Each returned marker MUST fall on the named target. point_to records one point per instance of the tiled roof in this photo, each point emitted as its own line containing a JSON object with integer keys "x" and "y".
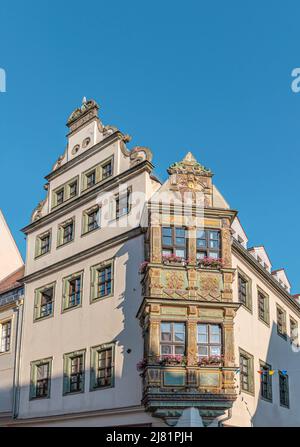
{"x": 12, "y": 281}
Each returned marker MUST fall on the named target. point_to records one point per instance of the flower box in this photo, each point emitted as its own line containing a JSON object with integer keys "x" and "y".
{"x": 172, "y": 360}
{"x": 207, "y": 262}
{"x": 214, "y": 360}
{"x": 172, "y": 259}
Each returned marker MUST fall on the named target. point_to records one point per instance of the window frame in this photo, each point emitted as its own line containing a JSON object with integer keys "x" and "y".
{"x": 282, "y": 333}
{"x": 266, "y": 367}
{"x": 174, "y": 246}
{"x": 94, "y": 362}
{"x": 98, "y": 174}
{"x": 173, "y": 343}
{"x": 285, "y": 404}
{"x": 294, "y": 340}
{"x": 37, "y": 301}
{"x": 66, "y": 190}
{"x": 248, "y": 303}
{"x": 60, "y": 232}
{"x": 266, "y": 319}
{"x": 33, "y": 378}
{"x": 67, "y": 359}
{"x": 38, "y": 243}
{"x": 117, "y": 198}
{"x": 5, "y": 322}
{"x": 85, "y": 216}
{"x": 207, "y": 249}
{"x": 94, "y": 283}
{"x": 210, "y": 344}
{"x": 250, "y": 365}
{"x": 66, "y": 289}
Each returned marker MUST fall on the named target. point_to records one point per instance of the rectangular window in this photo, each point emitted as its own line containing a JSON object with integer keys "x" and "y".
{"x": 122, "y": 204}
{"x": 208, "y": 244}
{"x": 174, "y": 242}
{"x": 265, "y": 382}
{"x": 244, "y": 290}
{"x": 5, "y": 333}
{"x": 284, "y": 390}
{"x": 44, "y": 302}
{"x": 72, "y": 289}
{"x": 172, "y": 339}
{"x": 91, "y": 219}
{"x": 91, "y": 179}
{"x": 293, "y": 331}
{"x": 40, "y": 379}
{"x": 65, "y": 192}
{"x": 107, "y": 170}
{"x": 281, "y": 321}
{"x": 74, "y": 372}
{"x": 263, "y": 307}
{"x": 43, "y": 244}
{"x": 209, "y": 341}
{"x": 246, "y": 372}
{"x": 102, "y": 366}
{"x": 65, "y": 233}
{"x": 101, "y": 281}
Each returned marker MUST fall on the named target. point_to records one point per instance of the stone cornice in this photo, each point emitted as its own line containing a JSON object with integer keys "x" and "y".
{"x": 87, "y": 196}
{"x": 77, "y": 257}
{"x": 271, "y": 281}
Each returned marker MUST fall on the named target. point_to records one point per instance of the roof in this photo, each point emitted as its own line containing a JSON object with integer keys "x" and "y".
{"x": 12, "y": 281}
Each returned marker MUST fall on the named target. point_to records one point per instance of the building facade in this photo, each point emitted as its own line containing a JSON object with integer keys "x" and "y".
{"x": 142, "y": 298}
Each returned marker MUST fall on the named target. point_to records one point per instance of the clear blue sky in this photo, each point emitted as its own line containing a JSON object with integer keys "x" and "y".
{"x": 210, "y": 77}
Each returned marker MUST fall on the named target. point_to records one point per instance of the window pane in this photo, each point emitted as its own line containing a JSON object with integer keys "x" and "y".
{"x": 167, "y": 231}
{"x": 203, "y": 350}
{"x": 167, "y": 240}
{"x": 167, "y": 252}
{"x": 213, "y": 254}
{"x": 180, "y": 253}
{"x": 166, "y": 349}
{"x": 179, "y": 350}
{"x": 200, "y": 234}
{"x": 215, "y": 350}
{"x": 180, "y": 232}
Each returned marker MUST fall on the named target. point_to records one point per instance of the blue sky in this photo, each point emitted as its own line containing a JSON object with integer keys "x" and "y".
{"x": 210, "y": 77}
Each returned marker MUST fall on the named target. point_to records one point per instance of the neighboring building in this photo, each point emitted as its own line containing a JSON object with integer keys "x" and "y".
{"x": 11, "y": 301}
{"x": 123, "y": 270}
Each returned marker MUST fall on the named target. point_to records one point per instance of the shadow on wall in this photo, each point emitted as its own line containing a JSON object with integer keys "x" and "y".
{"x": 270, "y": 412}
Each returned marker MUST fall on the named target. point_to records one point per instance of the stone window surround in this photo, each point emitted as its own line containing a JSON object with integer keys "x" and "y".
{"x": 98, "y": 174}
{"x": 267, "y": 309}
{"x": 84, "y": 223}
{"x": 250, "y": 359}
{"x": 37, "y": 301}
{"x": 66, "y": 192}
{"x": 2, "y": 322}
{"x": 284, "y": 333}
{"x": 32, "y": 388}
{"x": 38, "y": 253}
{"x": 60, "y": 229}
{"x": 93, "y": 270}
{"x": 65, "y": 289}
{"x": 67, "y": 371}
{"x": 249, "y": 289}
{"x": 93, "y": 360}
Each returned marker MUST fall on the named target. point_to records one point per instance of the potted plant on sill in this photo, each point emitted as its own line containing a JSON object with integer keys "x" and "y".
{"x": 208, "y": 262}
{"x": 173, "y": 259}
{"x": 172, "y": 360}
{"x": 213, "y": 360}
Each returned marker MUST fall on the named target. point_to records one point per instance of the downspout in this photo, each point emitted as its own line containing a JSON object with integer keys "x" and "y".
{"x": 16, "y": 381}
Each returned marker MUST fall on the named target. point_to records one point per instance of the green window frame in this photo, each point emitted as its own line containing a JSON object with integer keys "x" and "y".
{"x": 246, "y": 372}
{"x": 263, "y": 306}
{"x": 281, "y": 321}
{"x": 65, "y": 192}
{"x": 40, "y": 379}
{"x": 102, "y": 280}
{"x": 44, "y": 298}
{"x": 74, "y": 372}
{"x": 284, "y": 397}
{"x": 66, "y": 232}
{"x": 43, "y": 243}
{"x": 265, "y": 382}
{"x": 102, "y": 366}
{"x": 245, "y": 290}
{"x": 91, "y": 219}
{"x": 96, "y": 174}
{"x": 72, "y": 291}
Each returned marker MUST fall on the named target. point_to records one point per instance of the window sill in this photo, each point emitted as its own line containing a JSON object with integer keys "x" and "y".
{"x": 264, "y": 322}
{"x": 98, "y": 388}
{"x": 100, "y": 298}
{"x": 42, "y": 255}
{"x": 91, "y": 231}
{"x": 64, "y": 244}
{"x": 36, "y": 320}
{"x": 68, "y": 309}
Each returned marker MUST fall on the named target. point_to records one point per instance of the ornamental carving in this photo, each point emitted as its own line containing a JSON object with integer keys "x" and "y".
{"x": 88, "y": 110}
{"x": 210, "y": 286}
{"x": 174, "y": 280}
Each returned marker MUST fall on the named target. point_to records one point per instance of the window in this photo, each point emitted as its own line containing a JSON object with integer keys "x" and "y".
{"x": 107, "y": 170}
{"x": 101, "y": 281}
{"x": 65, "y": 192}
{"x": 281, "y": 321}
{"x": 74, "y": 372}
{"x": 174, "y": 241}
{"x": 265, "y": 382}
{"x": 96, "y": 174}
{"x": 5, "y": 332}
{"x": 91, "y": 219}
{"x": 209, "y": 340}
{"x": 43, "y": 244}
{"x": 208, "y": 244}
{"x": 284, "y": 390}
{"x": 72, "y": 291}
{"x": 293, "y": 331}
{"x": 263, "y": 306}
{"x": 73, "y": 189}
{"x": 65, "y": 232}
{"x": 122, "y": 204}
{"x": 244, "y": 290}
{"x": 246, "y": 372}
{"x": 44, "y": 302}
{"x": 102, "y": 366}
{"x": 59, "y": 196}
{"x": 172, "y": 339}
{"x": 40, "y": 379}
